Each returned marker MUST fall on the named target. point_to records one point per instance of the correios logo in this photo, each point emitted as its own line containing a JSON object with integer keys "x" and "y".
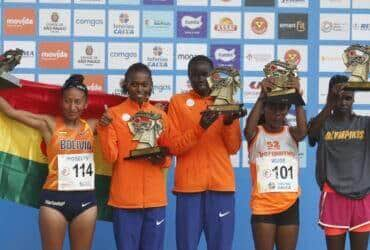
{"x": 259, "y": 25}
{"x": 191, "y": 22}
{"x": 292, "y": 56}
{"x": 226, "y": 25}
{"x": 225, "y": 55}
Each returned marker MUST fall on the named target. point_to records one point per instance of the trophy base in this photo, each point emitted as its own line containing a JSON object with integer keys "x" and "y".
{"x": 8, "y": 81}
{"x": 286, "y": 98}
{"x": 224, "y": 108}
{"x": 360, "y": 86}
{"x": 146, "y": 152}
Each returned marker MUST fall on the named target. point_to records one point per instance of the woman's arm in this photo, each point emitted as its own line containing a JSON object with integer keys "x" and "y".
{"x": 43, "y": 123}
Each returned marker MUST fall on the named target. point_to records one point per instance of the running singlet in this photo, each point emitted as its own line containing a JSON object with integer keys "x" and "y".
{"x": 71, "y": 158}
{"x": 274, "y": 168}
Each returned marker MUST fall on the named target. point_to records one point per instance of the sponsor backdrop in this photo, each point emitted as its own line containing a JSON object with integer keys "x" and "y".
{"x": 101, "y": 38}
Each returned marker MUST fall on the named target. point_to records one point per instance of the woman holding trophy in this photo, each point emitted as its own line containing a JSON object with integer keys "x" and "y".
{"x": 274, "y": 165}
{"x": 131, "y": 136}
{"x": 342, "y": 168}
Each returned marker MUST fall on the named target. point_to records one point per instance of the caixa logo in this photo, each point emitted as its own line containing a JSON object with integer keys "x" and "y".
{"x": 225, "y": 55}
{"x": 91, "y": 22}
{"x": 191, "y": 22}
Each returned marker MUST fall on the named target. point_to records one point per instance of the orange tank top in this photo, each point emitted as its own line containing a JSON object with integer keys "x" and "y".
{"x": 274, "y": 167}
{"x": 70, "y": 153}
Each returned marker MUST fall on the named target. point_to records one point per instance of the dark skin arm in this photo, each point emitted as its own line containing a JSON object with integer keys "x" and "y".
{"x": 318, "y": 121}
{"x": 298, "y": 132}
{"x": 256, "y": 112}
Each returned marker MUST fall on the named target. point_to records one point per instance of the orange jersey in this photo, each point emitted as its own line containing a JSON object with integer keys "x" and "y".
{"x": 66, "y": 142}
{"x": 135, "y": 183}
{"x": 203, "y": 156}
{"x": 275, "y": 157}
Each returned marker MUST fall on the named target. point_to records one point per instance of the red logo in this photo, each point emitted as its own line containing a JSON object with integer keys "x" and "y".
{"x": 259, "y": 25}
{"x": 292, "y": 56}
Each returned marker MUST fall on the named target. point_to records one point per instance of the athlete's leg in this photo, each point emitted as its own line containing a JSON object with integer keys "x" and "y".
{"x": 81, "y": 229}
{"x": 127, "y": 225}
{"x": 335, "y": 242}
{"x": 219, "y": 220}
{"x": 286, "y": 237}
{"x": 263, "y": 235}
{"x": 53, "y": 227}
{"x": 189, "y": 220}
{"x": 152, "y": 233}
{"x": 359, "y": 241}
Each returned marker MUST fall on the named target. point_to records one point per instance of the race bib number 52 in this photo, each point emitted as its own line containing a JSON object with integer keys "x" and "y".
{"x": 277, "y": 174}
{"x": 76, "y": 172}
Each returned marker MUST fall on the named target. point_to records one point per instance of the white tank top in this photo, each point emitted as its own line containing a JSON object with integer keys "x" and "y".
{"x": 275, "y": 157}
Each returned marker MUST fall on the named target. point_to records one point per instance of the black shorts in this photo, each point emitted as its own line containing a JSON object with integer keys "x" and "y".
{"x": 287, "y": 217}
{"x": 69, "y": 203}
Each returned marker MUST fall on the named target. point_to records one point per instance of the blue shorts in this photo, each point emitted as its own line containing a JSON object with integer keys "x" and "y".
{"x": 69, "y": 203}
{"x": 210, "y": 211}
{"x": 142, "y": 229}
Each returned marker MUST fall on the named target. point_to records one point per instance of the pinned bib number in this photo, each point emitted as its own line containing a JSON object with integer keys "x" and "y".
{"x": 277, "y": 174}
{"x": 76, "y": 172}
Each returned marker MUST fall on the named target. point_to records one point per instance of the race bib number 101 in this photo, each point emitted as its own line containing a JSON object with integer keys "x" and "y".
{"x": 76, "y": 172}
{"x": 277, "y": 174}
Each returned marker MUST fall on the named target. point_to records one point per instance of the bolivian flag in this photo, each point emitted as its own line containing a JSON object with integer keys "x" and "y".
{"x": 23, "y": 163}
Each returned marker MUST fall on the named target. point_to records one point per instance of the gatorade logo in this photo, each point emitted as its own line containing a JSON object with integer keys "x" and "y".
{"x": 19, "y": 22}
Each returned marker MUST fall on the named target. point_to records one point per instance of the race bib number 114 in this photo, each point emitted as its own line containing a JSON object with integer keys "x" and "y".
{"x": 76, "y": 172}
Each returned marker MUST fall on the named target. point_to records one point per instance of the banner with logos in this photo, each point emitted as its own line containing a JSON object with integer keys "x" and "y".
{"x": 102, "y": 38}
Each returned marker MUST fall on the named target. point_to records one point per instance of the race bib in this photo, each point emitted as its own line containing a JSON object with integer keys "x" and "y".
{"x": 277, "y": 174}
{"x": 76, "y": 172}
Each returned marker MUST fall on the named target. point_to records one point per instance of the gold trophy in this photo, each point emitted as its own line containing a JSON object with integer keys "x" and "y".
{"x": 224, "y": 82}
{"x": 357, "y": 60}
{"x": 146, "y": 128}
{"x": 282, "y": 72}
{"x": 8, "y": 61}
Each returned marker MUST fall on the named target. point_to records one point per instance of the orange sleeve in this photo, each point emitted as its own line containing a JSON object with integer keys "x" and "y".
{"x": 231, "y": 135}
{"x": 164, "y": 141}
{"x": 108, "y": 139}
{"x": 167, "y": 162}
{"x": 179, "y": 141}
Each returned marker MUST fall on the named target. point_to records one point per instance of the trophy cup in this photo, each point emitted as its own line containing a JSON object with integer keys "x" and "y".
{"x": 282, "y": 72}
{"x": 8, "y": 61}
{"x": 357, "y": 60}
{"x": 224, "y": 82}
{"x": 146, "y": 127}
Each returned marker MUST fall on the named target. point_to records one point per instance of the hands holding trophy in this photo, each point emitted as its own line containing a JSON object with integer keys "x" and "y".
{"x": 282, "y": 76}
{"x": 146, "y": 128}
{"x": 357, "y": 60}
{"x": 8, "y": 61}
